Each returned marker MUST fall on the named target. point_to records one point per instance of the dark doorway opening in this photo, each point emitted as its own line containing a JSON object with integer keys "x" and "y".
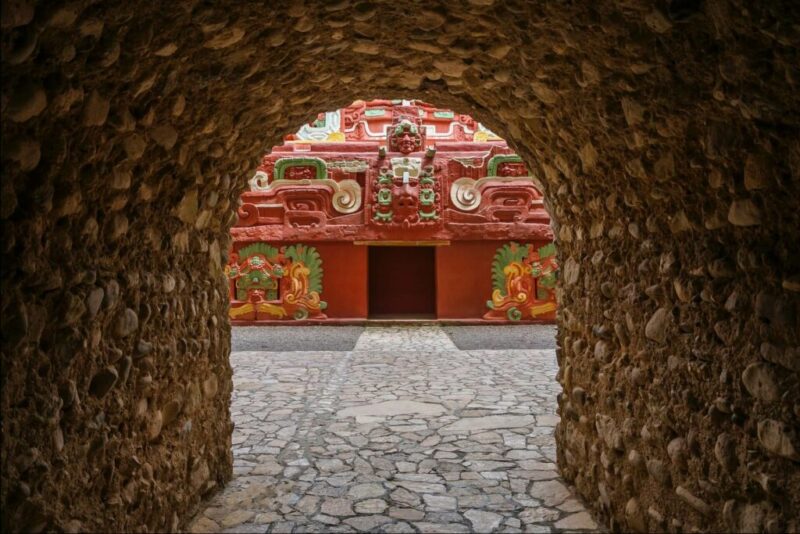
{"x": 402, "y": 282}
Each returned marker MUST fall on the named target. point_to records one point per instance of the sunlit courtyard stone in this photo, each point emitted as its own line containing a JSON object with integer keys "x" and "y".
{"x": 405, "y": 433}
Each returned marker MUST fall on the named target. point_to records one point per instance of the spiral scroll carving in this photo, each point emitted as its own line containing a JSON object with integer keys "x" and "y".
{"x": 465, "y": 195}
{"x": 347, "y": 198}
{"x": 259, "y": 181}
{"x": 248, "y": 214}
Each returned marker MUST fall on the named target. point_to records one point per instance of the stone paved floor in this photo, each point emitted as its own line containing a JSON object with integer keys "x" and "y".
{"x": 405, "y": 433}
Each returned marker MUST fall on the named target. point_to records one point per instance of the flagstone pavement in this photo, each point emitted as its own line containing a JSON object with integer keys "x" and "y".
{"x": 403, "y": 433}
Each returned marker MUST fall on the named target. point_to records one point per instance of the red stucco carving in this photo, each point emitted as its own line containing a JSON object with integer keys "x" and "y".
{"x": 391, "y": 170}
{"x": 299, "y": 205}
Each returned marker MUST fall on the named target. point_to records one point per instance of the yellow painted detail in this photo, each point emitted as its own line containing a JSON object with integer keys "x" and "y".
{"x": 482, "y": 136}
{"x": 335, "y": 137}
{"x": 272, "y": 309}
{"x": 241, "y": 310}
{"x": 541, "y": 309}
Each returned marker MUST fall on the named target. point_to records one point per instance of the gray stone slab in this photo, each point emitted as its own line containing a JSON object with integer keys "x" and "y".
{"x": 397, "y": 407}
{"x": 488, "y": 422}
{"x": 502, "y": 337}
{"x": 294, "y": 338}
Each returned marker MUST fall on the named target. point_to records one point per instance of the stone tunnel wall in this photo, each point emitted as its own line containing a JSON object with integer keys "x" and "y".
{"x": 666, "y": 138}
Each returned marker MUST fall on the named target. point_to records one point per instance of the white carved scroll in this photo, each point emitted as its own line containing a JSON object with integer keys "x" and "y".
{"x": 465, "y": 195}
{"x": 347, "y": 198}
{"x": 259, "y": 181}
{"x": 346, "y": 194}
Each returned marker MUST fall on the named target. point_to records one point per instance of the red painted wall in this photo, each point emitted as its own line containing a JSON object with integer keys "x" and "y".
{"x": 464, "y": 278}
{"x": 344, "y": 279}
{"x": 462, "y": 281}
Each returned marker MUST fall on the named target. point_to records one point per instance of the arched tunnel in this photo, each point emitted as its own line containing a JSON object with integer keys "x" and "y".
{"x": 665, "y": 134}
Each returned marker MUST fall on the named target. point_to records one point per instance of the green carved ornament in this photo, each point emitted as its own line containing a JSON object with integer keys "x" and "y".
{"x": 513, "y": 314}
{"x": 427, "y": 196}
{"x": 283, "y": 164}
{"x": 428, "y": 216}
{"x": 384, "y": 197}
{"x": 491, "y": 167}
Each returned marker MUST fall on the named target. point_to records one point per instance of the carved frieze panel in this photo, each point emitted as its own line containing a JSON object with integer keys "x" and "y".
{"x": 406, "y": 194}
{"x": 523, "y": 282}
{"x": 271, "y": 283}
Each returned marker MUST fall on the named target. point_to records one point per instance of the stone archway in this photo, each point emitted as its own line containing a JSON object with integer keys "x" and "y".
{"x": 666, "y": 137}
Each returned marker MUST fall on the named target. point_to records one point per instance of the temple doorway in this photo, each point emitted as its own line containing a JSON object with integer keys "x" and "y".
{"x": 402, "y": 282}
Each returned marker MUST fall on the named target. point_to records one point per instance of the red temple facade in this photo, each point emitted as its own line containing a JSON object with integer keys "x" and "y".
{"x": 392, "y": 209}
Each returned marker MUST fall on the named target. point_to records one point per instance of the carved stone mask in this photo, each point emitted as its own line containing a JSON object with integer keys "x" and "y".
{"x": 405, "y": 137}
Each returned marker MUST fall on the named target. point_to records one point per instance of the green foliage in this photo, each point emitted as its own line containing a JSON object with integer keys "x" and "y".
{"x": 309, "y": 257}
{"x": 258, "y": 248}
{"x": 549, "y": 280}
{"x": 505, "y": 255}
{"x": 547, "y": 251}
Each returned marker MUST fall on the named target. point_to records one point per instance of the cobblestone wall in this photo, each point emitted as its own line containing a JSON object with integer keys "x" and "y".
{"x": 666, "y": 138}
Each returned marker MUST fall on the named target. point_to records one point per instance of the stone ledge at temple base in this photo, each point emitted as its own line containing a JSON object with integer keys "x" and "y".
{"x": 339, "y": 321}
